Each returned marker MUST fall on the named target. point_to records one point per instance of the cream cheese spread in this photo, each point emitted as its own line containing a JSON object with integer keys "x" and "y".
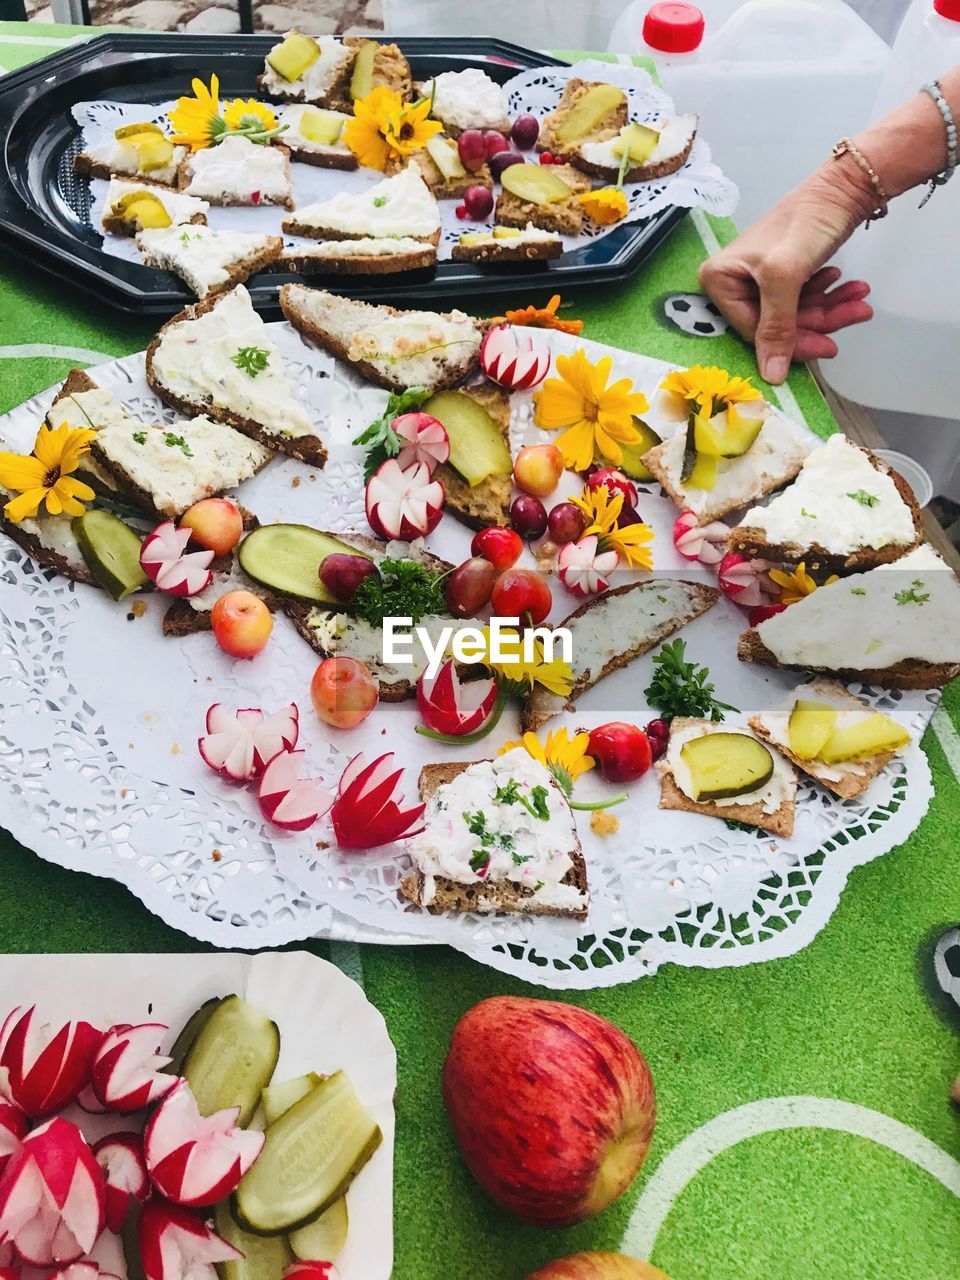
{"x": 180, "y": 208}
{"x": 120, "y": 156}
{"x": 840, "y": 501}
{"x": 341, "y": 633}
{"x": 318, "y": 79}
{"x": 473, "y": 837}
{"x": 907, "y": 610}
{"x": 196, "y": 359}
{"x": 369, "y": 247}
{"x": 468, "y": 100}
{"x": 90, "y": 410}
{"x": 781, "y": 785}
{"x": 408, "y": 346}
{"x": 675, "y": 135}
{"x": 54, "y": 533}
{"x": 850, "y": 711}
{"x": 179, "y": 465}
{"x": 399, "y": 206}
{"x": 203, "y": 257}
{"x": 529, "y": 235}
{"x": 238, "y": 171}
{"x": 292, "y": 116}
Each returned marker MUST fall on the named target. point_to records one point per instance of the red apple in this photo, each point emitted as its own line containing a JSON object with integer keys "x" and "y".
{"x": 597, "y": 1266}
{"x": 552, "y": 1105}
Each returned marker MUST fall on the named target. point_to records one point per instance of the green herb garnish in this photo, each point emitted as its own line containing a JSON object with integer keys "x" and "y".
{"x": 140, "y": 437}
{"x": 536, "y": 805}
{"x": 379, "y": 439}
{"x": 807, "y": 515}
{"x": 858, "y": 591}
{"x": 865, "y": 499}
{"x": 680, "y": 688}
{"x": 477, "y": 826}
{"x": 177, "y": 442}
{"x": 479, "y": 860}
{"x": 379, "y": 201}
{"x": 910, "y": 595}
{"x": 402, "y": 589}
{"x": 251, "y": 360}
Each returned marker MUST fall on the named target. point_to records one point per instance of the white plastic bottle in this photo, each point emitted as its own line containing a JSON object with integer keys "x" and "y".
{"x": 775, "y": 83}
{"x": 908, "y": 358}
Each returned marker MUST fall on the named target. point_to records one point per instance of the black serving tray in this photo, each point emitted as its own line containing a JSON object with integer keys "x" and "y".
{"x": 45, "y": 207}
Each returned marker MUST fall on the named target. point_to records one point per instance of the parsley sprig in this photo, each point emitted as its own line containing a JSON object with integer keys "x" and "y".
{"x": 379, "y": 439}
{"x": 535, "y": 804}
{"x": 252, "y": 360}
{"x": 865, "y": 499}
{"x": 477, "y": 826}
{"x": 402, "y": 589}
{"x": 680, "y": 688}
{"x": 911, "y": 594}
{"x": 173, "y": 441}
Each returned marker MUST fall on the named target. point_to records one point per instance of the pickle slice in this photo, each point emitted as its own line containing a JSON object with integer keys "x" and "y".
{"x": 188, "y": 1035}
{"x": 133, "y": 130}
{"x": 264, "y": 1257}
{"x": 232, "y": 1059}
{"x": 535, "y": 183}
{"x": 639, "y": 139}
{"x": 871, "y": 736}
{"x": 280, "y": 1097}
{"x": 325, "y": 1237}
{"x": 809, "y": 728}
{"x": 477, "y": 448}
{"x": 584, "y": 116}
{"x": 287, "y": 558}
{"x": 632, "y": 464}
{"x": 724, "y": 765}
{"x": 361, "y": 80}
{"x": 321, "y": 127}
{"x": 293, "y": 55}
{"x": 111, "y": 551}
{"x": 446, "y": 157}
{"x": 309, "y": 1159}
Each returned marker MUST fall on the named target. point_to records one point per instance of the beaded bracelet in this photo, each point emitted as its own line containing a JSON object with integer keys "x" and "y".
{"x": 942, "y": 178}
{"x": 847, "y": 147}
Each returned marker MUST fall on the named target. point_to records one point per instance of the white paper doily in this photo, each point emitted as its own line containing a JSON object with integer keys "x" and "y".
{"x": 698, "y": 185}
{"x": 99, "y": 716}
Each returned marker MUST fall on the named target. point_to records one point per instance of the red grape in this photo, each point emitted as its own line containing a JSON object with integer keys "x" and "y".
{"x": 469, "y": 586}
{"x": 566, "y": 523}
{"x": 341, "y": 573}
{"x": 499, "y": 546}
{"x": 478, "y": 202}
{"x": 503, "y": 160}
{"x": 528, "y": 516}
{"x": 658, "y": 733}
{"x": 472, "y": 146}
{"x": 495, "y": 142}
{"x": 519, "y": 592}
{"x": 461, "y": 211}
{"x": 525, "y": 131}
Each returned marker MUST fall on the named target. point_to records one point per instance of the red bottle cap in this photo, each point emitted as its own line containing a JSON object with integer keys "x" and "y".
{"x": 948, "y": 9}
{"x": 675, "y": 27}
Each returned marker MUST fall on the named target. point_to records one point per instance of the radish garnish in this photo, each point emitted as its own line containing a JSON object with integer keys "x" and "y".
{"x": 447, "y": 705}
{"x": 86, "y": 1269}
{"x": 13, "y": 1130}
{"x": 196, "y": 1160}
{"x": 584, "y": 569}
{"x": 128, "y": 1069}
{"x": 120, "y": 1156}
{"x": 508, "y": 358}
{"x": 52, "y": 1196}
{"x": 176, "y": 1244}
{"x": 745, "y": 582}
{"x": 311, "y": 1271}
{"x": 169, "y": 566}
{"x": 367, "y": 811}
{"x": 239, "y": 744}
{"x": 402, "y": 502}
{"x": 706, "y": 543}
{"x": 46, "y": 1070}
{"x": 426, "y": 440}
{"x": 10, "y": 1273}
{"x": 288, "y": 800}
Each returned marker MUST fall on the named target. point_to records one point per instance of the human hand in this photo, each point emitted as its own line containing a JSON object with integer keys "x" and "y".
{"x": 771, "y": 282}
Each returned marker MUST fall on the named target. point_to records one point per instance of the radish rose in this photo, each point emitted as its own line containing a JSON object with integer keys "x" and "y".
{"x": 286, "y": 799}
{"x": 169, "y": 566}
{"x": 403, "y": 502}
{"x": 13, "y": 1130}
{"x": 120, "y": 1156}
{"x": 426, "y": 440}
{"x": 176, "y": 1244}
{"x": 585, "y": 570}
{"x": 128, "y": 1069}
{"x": 368, "y": 810}
{"x": 240, "y": 744}
{"x": 46, "y": 1069}
{"x": 508, "y": 358}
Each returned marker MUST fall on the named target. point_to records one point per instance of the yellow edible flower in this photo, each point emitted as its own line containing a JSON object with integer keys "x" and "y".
{"x": 384, "y": 127}
{"x": 796, "y": 584}
{"x": 604, "y": 207}
{"x": 243, "y": 113}
{"x": 565, "y": 757}
{"x": 196, "y": 121}
{"x": 709, "y": 387}
{"x": 594, "y": 417}
{"x": 603, "y": 509}
{"x": 46, "y": 475}
{"x": 554, "y": 675}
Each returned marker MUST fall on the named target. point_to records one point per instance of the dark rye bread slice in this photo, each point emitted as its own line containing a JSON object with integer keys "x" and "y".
{"x": 325, "y": 158}
{"x": 780, "y": 822}
{"x": 608, "y": 127}
{"x": 330, "y": 321}
{"x": 376, "y": 264}
{"x": 488, "y": 502}
{"x": 119, "y": 225}
{"x": 85, "y": 164}
{"x": 911, "y": 673}
{"x": 540, "y": 705}
{"x": 640, "y": 172}
{"x": 565, "y": 217}
{"x": 508, "y": 250}
{"x": 239, "y": 271}
{"x": 752, "y": 542}
{"x": 308, "y": 231}
{"x": 76, "y": 381}
{"x": 185, "y": 176}
{"x": 42, "y": 555}
{"x": 443, "y": 188}
{"x": 308, "y": 449}
{"x": 503, "y": 895}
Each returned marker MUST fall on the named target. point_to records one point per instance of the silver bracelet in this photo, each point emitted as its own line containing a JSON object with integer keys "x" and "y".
{"x": 944, "y": 176}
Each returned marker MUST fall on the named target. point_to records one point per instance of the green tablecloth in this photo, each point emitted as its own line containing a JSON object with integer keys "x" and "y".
{"x": 855, "y": 1195}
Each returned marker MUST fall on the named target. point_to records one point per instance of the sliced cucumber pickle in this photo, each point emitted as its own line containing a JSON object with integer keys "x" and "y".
{"x": 264, "y": 1257}
{"x": 632, "y": 464}
{"x": 287, "y": 558}
{"x": 810, "y": 727}
{"x": 310, "y": 1157}
{"x": 585, "y": 114}
{"x": 278, "y": 1098}
{"x": 723, "y": 765}
{"x": 535, "y": 183}
{"x": 232, "y": 1059}
{"x": 477, "y": 448}
{"x": 325, "y": 1237}
{"x": 188, "y": 1035}
{"x": 112, "y": 552}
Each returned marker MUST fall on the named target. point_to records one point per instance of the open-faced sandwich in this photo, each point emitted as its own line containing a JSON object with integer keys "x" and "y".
{"x": 655, "y": 150}
{"x": 142, "y": 151}
{"x": 238, "y": 172}
{"x": 588, "y": 110}
{"x": 209, "y": 261}
{"x": 441, "y": 168}
{"x": 507, "y": 244}
{"x": 847, "y": 509}
{"x": 216, "y": 358}
{"x": 610, "y": 630}
{"x": 468, "y": 99}
{"x": 328, "y": 72}
{"x": 368, "y": 256}
{"x": 130, "y": 207}
{"x": 726, "y": 772}
{"x": 499, "y": 835}
{"x": 897, "y": 625}
{"x": 402, "y": 205}
{"x": 314, "y": 136}
{"x": 543, "y": 196}
{"x": 832, "y": 736}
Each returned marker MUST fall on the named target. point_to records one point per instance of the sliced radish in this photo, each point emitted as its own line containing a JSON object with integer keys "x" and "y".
{"x": 761, "y": 612}
{"x": 169, "y": 566}
{"x": 196, "y": 1160}
{"x": 127, "y": 1071}
{"x": 120, "y": 1156}
{"x": 745, "y": 582}
{"x": 427, "y": 440}
{"x": 706, "y": 543}
{"x": 311, "y": 1271}
{"x": 368, "y": 809}
{"x": 46, "y": 1069}
{"x": 288, "y": 800}
{"x": 86, "y": 1269}
{"x": 10, "y": 1273}
{"x": 402, "y": 502}
{"x": 13, "y": 1129}
{"x": 52, "y": 1196}
{"x": 176, "y": 1244}
{"x": 447, "y": 705}
{"x": 583, "y": 568}
{"x": 508, "y": 358}
{"x": 239, "y": 744}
